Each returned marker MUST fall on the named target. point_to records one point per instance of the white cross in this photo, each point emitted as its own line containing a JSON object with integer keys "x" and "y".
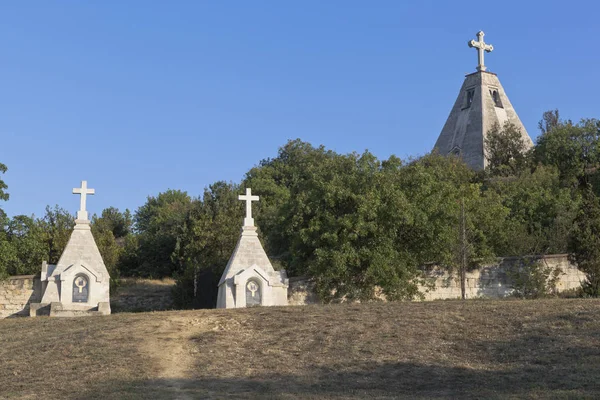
{"x": 248, "y": 198}
{"x": 83, "y": 191}
{"x": 481, "y": 47}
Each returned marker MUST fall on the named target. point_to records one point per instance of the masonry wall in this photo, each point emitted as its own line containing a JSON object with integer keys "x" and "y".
{"x": 301, "y": 291}
{"x": 492, "y": 281}
{"x": 488, "y": 281}
{"x": 16, "y": 293}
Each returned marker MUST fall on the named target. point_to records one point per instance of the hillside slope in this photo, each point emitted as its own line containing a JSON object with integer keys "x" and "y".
{"x": 452, "y": 349}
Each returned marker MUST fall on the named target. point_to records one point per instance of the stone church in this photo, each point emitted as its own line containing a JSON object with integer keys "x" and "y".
{"x": 481, "y": 103}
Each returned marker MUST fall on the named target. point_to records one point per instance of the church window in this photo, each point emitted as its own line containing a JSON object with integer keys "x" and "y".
{"x": 496, "y": 97}
{"x": 81, "y": 285}
{"x": 469, "y": 99}
{"x": 253, "y": 295}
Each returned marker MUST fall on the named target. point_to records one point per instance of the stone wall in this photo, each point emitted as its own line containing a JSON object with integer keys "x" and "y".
{"x": 301, "y": 291}
{"x": 488, "y": 281}
{"x": 16, "y": 293}
{"x": 492, "y": 281}
{"x": 134, "y": 295}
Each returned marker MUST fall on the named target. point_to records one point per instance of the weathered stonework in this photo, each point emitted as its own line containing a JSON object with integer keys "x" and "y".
{"x": 488, "y": 281}
{"x": 16, "y": 293}
{"x": 302, "y": 291}
{"x": 493, "y": 281}
{"x": 481, "y": 103}
{"x": 249, "y": 263}
{"x": 249, "y": 278}
{"x": 79, "y": 283}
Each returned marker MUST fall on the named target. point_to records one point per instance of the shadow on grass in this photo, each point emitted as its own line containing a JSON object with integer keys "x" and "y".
{"x": 387, "y": 381}
{"x": 555, "y": 356}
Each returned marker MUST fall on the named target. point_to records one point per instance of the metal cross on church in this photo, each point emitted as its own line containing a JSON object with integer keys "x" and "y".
{"x": 481, "y": 47}
{"x": 83, "y": 191}
{"x": 248, "y": 198}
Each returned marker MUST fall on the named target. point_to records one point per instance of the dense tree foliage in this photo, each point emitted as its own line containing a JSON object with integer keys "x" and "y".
{"x": 158, "y": 225}
{"x": 5, "y": 248}
{"x": 112, "y": 230}
{"x": 361, "y": 227}
{"x": 572, "y": 148}
{"x": 205, "y": 243}
{"x": 57, "y": 225}
{"x": 585, "y": 241}
{"x": 506, "y": 150}
{"x": 3, "y": 186}
{"x": 541, "y": 212}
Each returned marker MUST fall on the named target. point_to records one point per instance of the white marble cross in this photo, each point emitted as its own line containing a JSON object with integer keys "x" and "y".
{"x": 481, "y": 47}
{"x": 83, "y": 191}
{"x": 248, "y": 198}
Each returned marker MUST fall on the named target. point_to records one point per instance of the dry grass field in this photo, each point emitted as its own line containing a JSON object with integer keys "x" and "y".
{"x": 450, "y": 349}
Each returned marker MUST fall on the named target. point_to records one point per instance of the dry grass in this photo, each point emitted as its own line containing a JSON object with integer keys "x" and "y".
{"x": 139, "y": 295}
{"x": 477, "y": 349}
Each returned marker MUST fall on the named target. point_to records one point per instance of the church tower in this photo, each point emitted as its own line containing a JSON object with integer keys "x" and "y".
{"x": 481, "y": 103}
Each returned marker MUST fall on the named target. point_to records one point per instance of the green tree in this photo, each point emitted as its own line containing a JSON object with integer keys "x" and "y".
{"x": 7, "y": 250}
{"x": 57, "y": 225}
{"x": 111, "y": 219}
{"x": 456, "y": 222}
{"x": 584, "y": 246}
{"x": 274, "y": 179}
{"x": 3, "y": 194}
{"x": 158, "y": 224}
{"x": 541, "y": 212}
{"x": 112, "y": 230}
{"x": 506, "y": 150}
{"x": 344, "y": 233}
{"x": 550, "y": 120}
{"x": 572, "y": 148}
{"x": 207, "y": 239}
{"x": 357, "y": 225}
{"x": 27, "y": 239}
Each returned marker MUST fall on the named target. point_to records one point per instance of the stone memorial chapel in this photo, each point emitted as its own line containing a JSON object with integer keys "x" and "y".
{"x": 249, "y": 278}
{"x": 79, "y": 283}
{"x": 481, "y": 103}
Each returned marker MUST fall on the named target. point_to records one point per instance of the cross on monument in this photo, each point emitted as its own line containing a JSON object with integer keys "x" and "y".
{"x": 248, "y": 198}
{"x": 481, "y": 47}
{"x": 83, "y": 191}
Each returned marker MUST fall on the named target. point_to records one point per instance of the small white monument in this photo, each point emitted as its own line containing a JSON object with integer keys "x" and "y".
{"x": 79, "y": 284}
{"x": 249, "y": 278}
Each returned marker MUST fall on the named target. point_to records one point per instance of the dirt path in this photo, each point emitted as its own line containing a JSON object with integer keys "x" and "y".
{"x": 170, "y": 344}
{"x": 170, "y": 348}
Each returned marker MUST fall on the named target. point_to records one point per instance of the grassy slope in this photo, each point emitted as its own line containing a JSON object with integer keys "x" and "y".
{"x": 476, "y": 349}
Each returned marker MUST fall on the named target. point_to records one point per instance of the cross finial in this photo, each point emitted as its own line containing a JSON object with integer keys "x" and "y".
{"x": 83, "y": 191}
{"x": 481, "y": 47}
{"x": 248, "y": 198}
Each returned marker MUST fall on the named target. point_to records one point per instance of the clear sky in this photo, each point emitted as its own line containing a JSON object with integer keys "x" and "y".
{"x": 137, "y": 97}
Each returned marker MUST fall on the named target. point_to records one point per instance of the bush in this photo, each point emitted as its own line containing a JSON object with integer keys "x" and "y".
{"x": 534, "y": 279}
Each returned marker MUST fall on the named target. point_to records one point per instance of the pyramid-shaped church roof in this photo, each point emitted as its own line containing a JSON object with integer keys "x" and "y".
{"x": 481, "y": 103}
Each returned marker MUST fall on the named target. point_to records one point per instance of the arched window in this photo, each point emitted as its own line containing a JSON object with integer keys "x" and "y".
{"x": 496, "y": 97}
{"x": 81, "y": 289}
{"x": 455, "y": 151}
{"x": 253, "y": 294}
{"x": 469, "y": 99}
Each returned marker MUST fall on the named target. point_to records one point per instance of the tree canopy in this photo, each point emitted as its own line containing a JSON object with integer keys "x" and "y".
{"x": 360, "y": 227}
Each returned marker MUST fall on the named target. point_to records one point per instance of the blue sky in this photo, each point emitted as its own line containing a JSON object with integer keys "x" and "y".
{"x": 141, "y": 96}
